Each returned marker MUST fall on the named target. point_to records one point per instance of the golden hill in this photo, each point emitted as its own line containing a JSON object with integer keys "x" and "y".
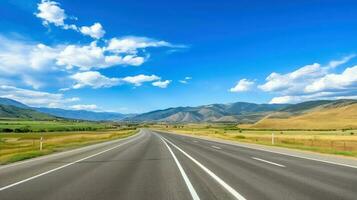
{"x": 343, "y": 116}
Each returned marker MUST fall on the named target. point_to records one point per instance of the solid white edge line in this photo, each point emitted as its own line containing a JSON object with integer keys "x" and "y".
{"x": 272, "y": 151}
{"x": 266, "y": 161}
{"x": 67, "y": 152}
{"x": 232, "y": 191}
{"x": 216, "y": 147}
{"x": 183, "y": 173}
{"x": 63, "y": 166}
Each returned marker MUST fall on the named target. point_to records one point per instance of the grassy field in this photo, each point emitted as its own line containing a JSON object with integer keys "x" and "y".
{"x": 332, "y": 118}
{"x": 23, "y": 126}
{"x": 340, "y": 142}
{"x": 20, "y": 146}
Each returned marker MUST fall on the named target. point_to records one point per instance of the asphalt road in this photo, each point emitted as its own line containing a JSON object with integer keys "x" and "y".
{"x": 156, "y": 165}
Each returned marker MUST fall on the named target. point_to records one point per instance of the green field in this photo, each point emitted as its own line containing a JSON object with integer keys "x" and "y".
{"x": 340, "y": 142}
{"x": 22, "y": 126}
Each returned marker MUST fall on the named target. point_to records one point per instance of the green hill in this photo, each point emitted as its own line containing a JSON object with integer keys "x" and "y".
{"x": 8, "y": 111}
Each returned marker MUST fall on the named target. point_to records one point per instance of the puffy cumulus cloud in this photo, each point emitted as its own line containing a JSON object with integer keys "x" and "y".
{"x": 132, "y": 44}
{"x": 296, "y": 81}
{"x": 313, "y": 82}
{"x": 50, "y": 12}
{"x": 93, "y": 79}
{"x": 25, "y": 57}
{"x": 138, "y": 80}
{"x": 35, "y": 98}
{"x": 347, "y": 80}
{"x": 161, "y": 84}
{"x": 95, "y": 31}
{"x": 18, "y": 57}
{"x": 91, "y": 107}
{"x": 91, "y": 56}
{"x": 242, "y": 86}
{"x": 293, "y": 81}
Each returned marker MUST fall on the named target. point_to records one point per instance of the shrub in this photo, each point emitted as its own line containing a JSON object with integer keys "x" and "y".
{"x": 240, "y": 137}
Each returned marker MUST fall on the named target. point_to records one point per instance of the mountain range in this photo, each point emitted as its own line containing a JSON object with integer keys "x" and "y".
{"x": 14, "y": 109}
{"x": 234, "y": 112}
{"x": 320, "y": 114}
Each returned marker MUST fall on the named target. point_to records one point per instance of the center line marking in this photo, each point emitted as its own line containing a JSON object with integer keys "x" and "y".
{"x": 276, "y": 164}
{"x": 183, "y": 173}
{"x": 216, "y": 147}
{"x": 231, "y": 190}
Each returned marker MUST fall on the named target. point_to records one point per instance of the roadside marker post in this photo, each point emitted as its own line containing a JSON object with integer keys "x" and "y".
{"x": 41, "y": 141}
{"x": 272, "y": 139}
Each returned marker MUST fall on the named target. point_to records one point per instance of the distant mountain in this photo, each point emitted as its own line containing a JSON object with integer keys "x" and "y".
{"x": 235, "y": 112}
{"x": 84, "y": 114}
{"x": 9, "y": 111}
{"x": 323, "y": 114}
{"x": 15, "y": 109}
{"x": 10, "y": 102}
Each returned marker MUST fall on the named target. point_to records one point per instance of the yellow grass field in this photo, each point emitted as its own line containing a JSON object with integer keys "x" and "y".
{"x": 334, "y": 118}
{"x": 20, "y": 146}
{"x": 332, "y": 142}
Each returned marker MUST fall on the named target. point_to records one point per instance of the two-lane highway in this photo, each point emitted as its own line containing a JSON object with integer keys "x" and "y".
{"x": 157, "y": 165}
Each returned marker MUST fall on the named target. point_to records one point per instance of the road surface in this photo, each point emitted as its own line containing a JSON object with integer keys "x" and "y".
{"x": 156, "y": 165}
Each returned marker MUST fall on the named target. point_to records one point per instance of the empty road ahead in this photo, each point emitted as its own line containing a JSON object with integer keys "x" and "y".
{"x": 157, "y": 165}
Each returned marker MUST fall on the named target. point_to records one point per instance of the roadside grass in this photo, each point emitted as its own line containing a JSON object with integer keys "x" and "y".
{"x": 339, "y": 142}
{"x": 20, "y": 146}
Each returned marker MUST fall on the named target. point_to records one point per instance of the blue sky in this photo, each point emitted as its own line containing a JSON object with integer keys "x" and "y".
{"x": 137, "y": 56}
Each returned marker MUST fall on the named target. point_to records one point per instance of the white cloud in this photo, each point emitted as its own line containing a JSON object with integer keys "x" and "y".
{"x": 131, "y": 44}
{"x": 35, "y": 98}
{"x": 91, "y": 56}
{"x": 140, "y": 79}
{"x": 93, "y": 79}
{"x": 161, "y": 84}
{"x": 95, "y": 31}
{"x": 296, "y": 81}
{"x": 91, "y": 107}
{"x": 313, "y": 82}
{"x": 185, "y": 80}
{"x": 19, "y": 57}
{"x": 50, "y": 12}
{"x": 332, "y": 82}
{"x": 242, "y": 86}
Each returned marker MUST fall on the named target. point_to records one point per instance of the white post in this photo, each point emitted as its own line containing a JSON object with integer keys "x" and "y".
{"x": 41, "y": 140}
{"x": 272, "y": 139}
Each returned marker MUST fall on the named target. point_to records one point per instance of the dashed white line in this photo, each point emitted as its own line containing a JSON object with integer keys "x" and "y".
{"x": 232, "y": 191}
{"x": 63, "y": 166}
{"x": 272, "y": 163}
{"x": 216, "y": 147}
{"x": 195, "y": 141}
{"x": 183, "y": 173}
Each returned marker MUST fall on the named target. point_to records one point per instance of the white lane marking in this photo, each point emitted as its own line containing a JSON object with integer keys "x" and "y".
{"x": 216, "y": 147}
{"x": 281, "y": 153}
{"x": 209, "y": 172}
{"x": 195, "y": 141}
{"x": 183, "y": 173}
{"x": 67, "y": 152}
{"x": 273, "y": 163}
{"x": 66, "y": 165}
